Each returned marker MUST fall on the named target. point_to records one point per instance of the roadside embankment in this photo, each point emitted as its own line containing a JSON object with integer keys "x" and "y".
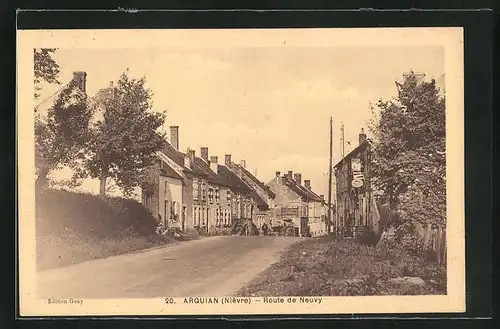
{"x": 327, "y": 266}
{"x": 76, "y": 227}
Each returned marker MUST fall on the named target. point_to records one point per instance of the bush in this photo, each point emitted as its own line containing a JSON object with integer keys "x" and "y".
{"x": 76, "y": 227}
{"x": 90, "y": 215}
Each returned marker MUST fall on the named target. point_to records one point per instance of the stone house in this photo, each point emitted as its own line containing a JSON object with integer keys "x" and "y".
{"x": 169, "y": 195}
{"x": 260, "y": 193}
{"x": 196, "y": 192}
{"x": 356, "y": 207}
{"x": 164, "y": 198}
{"x": 298, "y": 205}
{"x": 243, "y": 203}
{"x": 211, "y": 194}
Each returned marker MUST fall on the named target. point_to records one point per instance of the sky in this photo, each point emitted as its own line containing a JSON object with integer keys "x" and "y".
{"x": 267, "y": 105}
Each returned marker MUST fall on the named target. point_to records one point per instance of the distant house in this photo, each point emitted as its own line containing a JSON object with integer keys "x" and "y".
{"x": 356, "y": 209}
{"x": 165, "y": 200}
{"x": 197, "y": 192}
{"x": 298, "y": 205}
{"x": 169, "y": 194}
{"x": 243, "y": 203}
{"x": 100, "y": 98}
{"x": 260, "y": 194}
{"x": 212, "y": 194}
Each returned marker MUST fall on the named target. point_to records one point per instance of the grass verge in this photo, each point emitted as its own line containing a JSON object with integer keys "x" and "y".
{"x": 76, "y": 227}
{"x": 327, "y": 266}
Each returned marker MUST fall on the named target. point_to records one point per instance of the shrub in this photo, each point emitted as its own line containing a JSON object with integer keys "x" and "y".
{"x": 76, "y": 227}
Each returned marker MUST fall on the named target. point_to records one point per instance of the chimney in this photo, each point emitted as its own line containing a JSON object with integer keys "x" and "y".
{"x": 189, "y": 158}
{"x": 214, "y": 164}
{"x": 244, "y": 164}
{"x": 227, "y": 159}
{"x": 174, "y": 137}
{"x": 204, "y": 153}
{"x": 290, "y": 175}
{"x": 362, "y": 136}
{"x": 307, "y": 184}
{"x": 298, "y": 178}
{"x": 278, "y": 174}
{"x": 80, "y": 78}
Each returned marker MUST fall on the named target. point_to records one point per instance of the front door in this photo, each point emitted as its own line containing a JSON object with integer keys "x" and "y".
{"x": 167, "y": 214}
{"x": 304, "y": 229}
{"x": 183, "y": 218}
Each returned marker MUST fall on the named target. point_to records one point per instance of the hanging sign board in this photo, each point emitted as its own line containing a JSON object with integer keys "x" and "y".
{"x": 357, "y": 175}
{"x": 357, "y": 182}
{"x": 356, "y": 164}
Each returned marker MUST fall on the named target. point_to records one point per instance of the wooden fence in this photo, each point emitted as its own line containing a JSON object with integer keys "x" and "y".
{"x": 430, "y": 242}
{"x": 434, "y": 244}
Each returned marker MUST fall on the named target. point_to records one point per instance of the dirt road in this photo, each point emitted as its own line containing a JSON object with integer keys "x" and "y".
{"x": 215, "y": 266}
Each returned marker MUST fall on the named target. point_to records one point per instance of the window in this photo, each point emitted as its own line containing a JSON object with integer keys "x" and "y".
{"x": 174, "y": 211}
{"x": 217, "y": 195}
{"x": 304, "y": 211}
{"x": 228, "y": 198}
{"x": 210, "y": 194}
{"x": 203, "y": 191}
{"x": 196, "y": 189}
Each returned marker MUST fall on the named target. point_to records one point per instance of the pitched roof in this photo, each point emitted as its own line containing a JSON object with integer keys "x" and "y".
{"x": 258, "y": 182}
{"x": 235, "y": 182}
{"x": 353, "y": 152}
{"x": 304, "y": 193}
{"x": 202, "y": 166}
{"x": 238, "y": 185}
{"x": 178, "y": 157}
{"x": 172, "y": 153}
{"x": 261, "y": 203}
{"x": 168, "y": 171}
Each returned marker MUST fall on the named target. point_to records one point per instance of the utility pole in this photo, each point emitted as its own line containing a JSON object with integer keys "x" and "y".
{"x": 330, "y": 179}
{"x": 342, "y": 141}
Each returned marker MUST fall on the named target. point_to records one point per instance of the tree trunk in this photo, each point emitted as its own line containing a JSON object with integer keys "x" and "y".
{"x": 102, "y": 185}
{"x": 41, "y": 180}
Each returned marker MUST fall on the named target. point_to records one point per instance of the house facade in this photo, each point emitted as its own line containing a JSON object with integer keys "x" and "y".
{"x": 260, "y": 194}
{"x": 356, "y": 209}
{"x": 243, "y": 203}
{"x": 298, "y": 205}
{"x": 190, "y": 191}
{"x": 211, "y": 194}
{"x": 169, "y": 192}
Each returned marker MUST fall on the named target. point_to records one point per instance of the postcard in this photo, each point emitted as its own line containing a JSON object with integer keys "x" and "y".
{"x": 240, "y": 171}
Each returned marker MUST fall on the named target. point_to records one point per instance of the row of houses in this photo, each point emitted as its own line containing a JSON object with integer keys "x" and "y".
{"x": 189, "y": 190}
{"x": 201, "y": 192}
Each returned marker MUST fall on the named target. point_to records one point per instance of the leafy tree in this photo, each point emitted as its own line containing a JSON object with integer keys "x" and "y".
{"x": 409, "y": 164}
{"x": 123, "y": 143}
{"x": 46, "y": 68}
{"x": 63, "y": 137}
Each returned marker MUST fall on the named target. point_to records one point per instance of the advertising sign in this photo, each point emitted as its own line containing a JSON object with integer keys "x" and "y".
{"x": 357, "y": 174}
{"x": 290, "y": 212}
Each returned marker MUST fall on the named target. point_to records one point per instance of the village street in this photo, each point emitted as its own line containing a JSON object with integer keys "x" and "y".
{"x": 214, "y": 266}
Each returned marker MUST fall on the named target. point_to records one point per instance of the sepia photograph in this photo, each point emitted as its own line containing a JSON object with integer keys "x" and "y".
{"x": 241, "y": 171}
